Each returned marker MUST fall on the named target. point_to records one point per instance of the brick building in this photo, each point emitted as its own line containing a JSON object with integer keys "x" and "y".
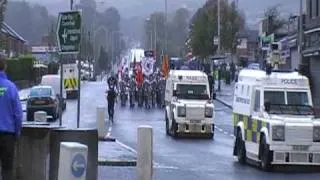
{"x": 11, "y": 44}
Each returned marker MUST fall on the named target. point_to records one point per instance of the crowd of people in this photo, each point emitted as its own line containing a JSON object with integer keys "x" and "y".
{"x": 135, "y": 88}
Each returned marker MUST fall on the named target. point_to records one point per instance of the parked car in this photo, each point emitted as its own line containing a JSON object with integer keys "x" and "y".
{"x": 254, "y": 66}
{"x": 42, "y": 98}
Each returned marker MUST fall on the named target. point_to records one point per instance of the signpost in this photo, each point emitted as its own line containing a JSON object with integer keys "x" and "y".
{"x": 69, "y": 32}
{"x": 68, "y": 39}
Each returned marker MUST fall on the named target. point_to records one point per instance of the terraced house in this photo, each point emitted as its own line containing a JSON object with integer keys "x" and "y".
{"x": 311, "y": 51}
{"x": 11, "y": 43}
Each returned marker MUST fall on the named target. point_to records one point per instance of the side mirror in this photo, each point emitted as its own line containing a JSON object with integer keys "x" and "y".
{"x": 267, "y": 106}
{"x": 174, "y": 93}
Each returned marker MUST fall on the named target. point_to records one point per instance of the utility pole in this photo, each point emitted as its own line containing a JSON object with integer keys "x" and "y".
{"x": 155, "y": 34}
{"x": 166, "y": 28}
{"x": 301, "y": 33}
{"x": 71, "y": 5}
{"x": 151, "y": 40}
{"x": 219, "y": 45}
{"x": 219, "y": 28}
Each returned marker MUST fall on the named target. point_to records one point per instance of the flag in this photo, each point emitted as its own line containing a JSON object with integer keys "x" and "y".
{"x": 165, "y": 66}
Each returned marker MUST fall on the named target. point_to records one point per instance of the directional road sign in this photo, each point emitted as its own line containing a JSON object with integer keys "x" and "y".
{"x": 69, "y": 32}
{"x": 78, "y": 165}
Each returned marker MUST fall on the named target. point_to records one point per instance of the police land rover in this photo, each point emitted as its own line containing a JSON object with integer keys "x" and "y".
{"x": 273, "y": 118}
{"x": 189, "y": 109}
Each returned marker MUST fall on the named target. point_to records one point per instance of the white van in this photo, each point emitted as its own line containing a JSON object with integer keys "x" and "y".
{"x": 189, "y": 109}
{"x": 53, "y": 80}
{"x": 70, "y": 80}
{"x": 274, "y": 121}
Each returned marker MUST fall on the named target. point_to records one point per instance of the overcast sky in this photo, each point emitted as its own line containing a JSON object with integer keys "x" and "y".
{"x": 253, "y": 9}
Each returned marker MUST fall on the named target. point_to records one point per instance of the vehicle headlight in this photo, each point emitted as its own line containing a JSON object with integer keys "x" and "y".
{"x": 316, "y": 134}
{"x": 278, "y": 133}
{"x": 181, "y": 111}
{"x": 208, "y": 112}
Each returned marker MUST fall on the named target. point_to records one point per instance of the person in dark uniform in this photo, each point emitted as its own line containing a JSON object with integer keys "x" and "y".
{"x": 112, "y": 80}
{"x": 10, "y": 122}
{"x": 111, "y": 97}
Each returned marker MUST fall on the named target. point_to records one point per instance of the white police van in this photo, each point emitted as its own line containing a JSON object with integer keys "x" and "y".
{"x": 273, "y": 118}
{"x": 189, "y": 109}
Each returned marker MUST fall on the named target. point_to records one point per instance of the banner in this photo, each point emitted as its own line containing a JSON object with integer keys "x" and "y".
{"x": 147, "y": 64}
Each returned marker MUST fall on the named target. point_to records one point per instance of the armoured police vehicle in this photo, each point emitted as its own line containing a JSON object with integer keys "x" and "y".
{"x": 189, "y": 109}
{"x": 273, "y": 118}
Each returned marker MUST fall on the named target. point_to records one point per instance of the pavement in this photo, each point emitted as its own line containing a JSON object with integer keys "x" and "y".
{"x": 174, "y": 159}
{"x": 225, "y": 95}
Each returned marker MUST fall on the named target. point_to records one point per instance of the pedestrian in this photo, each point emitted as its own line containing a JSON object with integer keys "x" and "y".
{"x": 10, "y": 122}
{"x": 111, "y": 97}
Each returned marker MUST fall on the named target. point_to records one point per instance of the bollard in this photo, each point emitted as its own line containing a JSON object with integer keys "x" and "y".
{"x": 101, "y": 124}
{"x": 40, "y": 116}
{"x": 145, "y": 153}
{"x": 72, "y": 161}
{"x": 86, "y": 136}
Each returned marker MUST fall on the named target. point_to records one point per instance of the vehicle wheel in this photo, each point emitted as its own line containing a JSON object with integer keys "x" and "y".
{"x": 167, "y": 125}
{"x": 210, "y": 136}
{"x": 174, "y": 128}
{"x": 241, "y": 149}
{"x": 29, "y": 116}
{"x": 266, "y": 155}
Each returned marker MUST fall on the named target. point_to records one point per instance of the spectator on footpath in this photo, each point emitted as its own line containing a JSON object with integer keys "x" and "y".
{"x": 10, "y": 122}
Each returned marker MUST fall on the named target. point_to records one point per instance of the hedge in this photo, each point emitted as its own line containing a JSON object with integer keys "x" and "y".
{"x": 20, "y": 68}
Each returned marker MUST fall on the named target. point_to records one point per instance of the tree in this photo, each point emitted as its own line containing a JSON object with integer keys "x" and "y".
{"x": 202, "y": 34}
{"x": 275, "y": 21}
{"x": 31, "y": 22}
{"x": 103, "y": 63}
{"x": 3, "y": 5}
{"x": 204, "y": 28}
{"x": 154, "y": 33}
{"x": 178, "y": 32}
{"x": 88, "y": 8}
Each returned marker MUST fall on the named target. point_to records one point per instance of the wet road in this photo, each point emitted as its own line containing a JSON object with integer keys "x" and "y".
{"x": 188, "y": 159}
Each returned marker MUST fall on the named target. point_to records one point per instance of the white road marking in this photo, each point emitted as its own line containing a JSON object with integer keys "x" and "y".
{"x": 126, "y": 147}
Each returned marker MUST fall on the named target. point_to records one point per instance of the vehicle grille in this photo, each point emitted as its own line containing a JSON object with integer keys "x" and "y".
{"x": 316, "y": 158}
{"x": 299, "y": 157}
{"x": 195, "y": 128}
{"x": 298, "y": 134}
{"x": 279, "y": 156}
{"x": 195, "y": 113}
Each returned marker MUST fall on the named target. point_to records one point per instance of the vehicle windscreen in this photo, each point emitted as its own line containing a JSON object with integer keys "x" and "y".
{"x": 192, "y": 91}
{"x": 297, "y": 103}
{"x": 40, "y": 92}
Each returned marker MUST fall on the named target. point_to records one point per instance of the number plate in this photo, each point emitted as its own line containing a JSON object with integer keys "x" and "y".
{"x": 300, "y": 148}
{"x": 39, "y": 102}
{"x": 195, "y": 121}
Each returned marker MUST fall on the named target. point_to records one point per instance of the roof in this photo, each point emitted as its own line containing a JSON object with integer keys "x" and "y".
{"x": 5, "y": 28}
{"x": 41, "y": 86}
{"x": 283, "y": 79}
{"x": 251, "y": 35}
{"x": 187, "y": 73}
